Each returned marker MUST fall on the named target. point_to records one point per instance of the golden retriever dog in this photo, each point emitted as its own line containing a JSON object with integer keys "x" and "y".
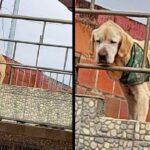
{"x": 2, "y": 68}
{"x": 115, "y": 47}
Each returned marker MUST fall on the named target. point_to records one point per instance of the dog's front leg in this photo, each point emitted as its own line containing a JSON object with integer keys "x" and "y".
{"x": 132, "y": 115}
{"x": 142, "y": 95}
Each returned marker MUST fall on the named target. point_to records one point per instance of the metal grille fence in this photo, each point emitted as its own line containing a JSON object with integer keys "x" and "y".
{"x": 117, "y": 13}
{"x": 35, "y": 76}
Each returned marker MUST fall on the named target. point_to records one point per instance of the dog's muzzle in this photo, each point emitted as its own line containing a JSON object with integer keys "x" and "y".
{"x": 102, "y": 56}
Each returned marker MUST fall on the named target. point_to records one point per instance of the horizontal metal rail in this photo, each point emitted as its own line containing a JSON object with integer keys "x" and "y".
{"x": 122, "y": 13}
{"x": 36, "y": 43}
{"x": 39, "y": 68}
{"x": 61, "y": 127}
{"x": 113, "y": 68}
{"x": 107, "y": 12}
{"x": 35, "y": 18}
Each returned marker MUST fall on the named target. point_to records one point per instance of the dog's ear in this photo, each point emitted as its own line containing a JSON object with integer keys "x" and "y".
{"x": 125, "y": 45}
{"x": 91, "y": 44}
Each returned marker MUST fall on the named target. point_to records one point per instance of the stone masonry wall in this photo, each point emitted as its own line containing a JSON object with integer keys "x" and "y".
{"x": 36, "y": 105}
{"x": 94, "y": 132}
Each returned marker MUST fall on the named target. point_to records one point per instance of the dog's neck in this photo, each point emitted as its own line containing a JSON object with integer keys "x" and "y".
{"x": 119, "y": 61}
{"x": 116, "y": 75}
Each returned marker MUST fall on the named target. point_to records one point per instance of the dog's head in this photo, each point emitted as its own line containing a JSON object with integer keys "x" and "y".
{"x": 110, "y": 40}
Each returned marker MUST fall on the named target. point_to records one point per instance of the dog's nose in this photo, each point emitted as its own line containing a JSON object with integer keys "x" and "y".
{"x": 103, "y": 56}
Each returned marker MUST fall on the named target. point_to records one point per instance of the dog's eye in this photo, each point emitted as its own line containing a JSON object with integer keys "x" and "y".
{"x": 112, "y": 42}
{"x": 98, "y": 41}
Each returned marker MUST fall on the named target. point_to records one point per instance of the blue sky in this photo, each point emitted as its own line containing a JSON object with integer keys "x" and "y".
{"x": 30, "y": 31}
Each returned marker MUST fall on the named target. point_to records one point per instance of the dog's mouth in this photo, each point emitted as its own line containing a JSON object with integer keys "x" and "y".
{"x": 102, "y": 61}
{"x": 103, "y": 64}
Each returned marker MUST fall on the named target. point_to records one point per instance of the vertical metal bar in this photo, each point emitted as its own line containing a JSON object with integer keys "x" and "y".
{"x": 23, "y": 76}
{"x": 70, "y": 81}
{"x": 146, "y": 42}
{"x": 62, "y": 85}
{"x": 49, "y": 80}
{"x": 92, "y": 4}
{"x": 76, "y": 76}
{"x": 65, "y": 62}
{"x": 77, "y": 60}
{"x": 14, "y": 52}
{"x": 56, "y": 81}
{"x": 30, "y": 78}
{"x": 66, "y": 56}
{"x": 17, "y": 75}
{"x": 63, "y": 78}
{"x": 11, "y": 71}
{"x": 1, "y": 2}
{"x": 12, "y": 29}
{"x": 43, "y": 77}
{"x": 37, "y": 57}
{"x": 52, "y": 84}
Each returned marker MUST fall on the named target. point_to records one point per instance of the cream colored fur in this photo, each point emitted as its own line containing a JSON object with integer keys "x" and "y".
{"x": 2, "y": 68}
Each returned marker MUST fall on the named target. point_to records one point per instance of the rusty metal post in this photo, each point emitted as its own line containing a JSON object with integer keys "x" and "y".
{"x": 37, "y": 57}
{"x": 11, "y": 66}
{"x": 147, "y": 34}
{"x": 77, "y": 60}
{"x": 92, "y": 4}
{"x": 65, "y": 62}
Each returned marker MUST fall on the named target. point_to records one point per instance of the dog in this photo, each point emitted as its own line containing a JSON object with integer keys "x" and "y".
{"x": 2, "y": 68}
{"x": 115, "y": 47}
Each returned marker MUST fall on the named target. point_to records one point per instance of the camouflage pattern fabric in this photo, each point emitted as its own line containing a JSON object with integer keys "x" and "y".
{"x": 134, "y": 78}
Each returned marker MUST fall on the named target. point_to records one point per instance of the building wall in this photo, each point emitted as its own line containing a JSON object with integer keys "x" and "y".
{"x": 26, "y": 77}
{"x": 97, "y": 82}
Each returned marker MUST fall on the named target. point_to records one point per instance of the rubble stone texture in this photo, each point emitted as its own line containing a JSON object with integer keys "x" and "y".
{"x": 36, "y": 105}
{"x": 95, "y": 132}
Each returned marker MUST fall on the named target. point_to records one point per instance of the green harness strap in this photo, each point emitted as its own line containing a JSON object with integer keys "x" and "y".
{"x": 134, "y": 78}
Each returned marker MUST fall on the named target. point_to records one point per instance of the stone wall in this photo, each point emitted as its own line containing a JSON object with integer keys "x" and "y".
{"x": 37, "y": 105}
{"x": 94, "y": 132}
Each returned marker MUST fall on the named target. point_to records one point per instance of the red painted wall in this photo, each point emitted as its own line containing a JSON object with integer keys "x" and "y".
{"x": 23, "y": 78}
{"x": 97, "y": 82}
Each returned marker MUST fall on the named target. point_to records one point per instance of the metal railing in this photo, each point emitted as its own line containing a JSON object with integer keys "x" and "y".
{"x": 34, "y": 75}
{"x": 41, "y": 19}
{"x": 93, "y": 11}
{"x": 15, "y": 67}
